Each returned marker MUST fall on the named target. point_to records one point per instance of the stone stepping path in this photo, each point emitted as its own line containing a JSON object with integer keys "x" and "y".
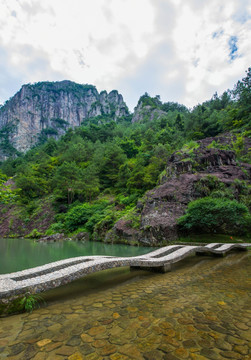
{"x": 59, "y": 273}
{"x": 199, "y": 311}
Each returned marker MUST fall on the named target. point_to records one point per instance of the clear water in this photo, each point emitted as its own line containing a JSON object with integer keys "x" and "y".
{"x": 201, "y": 310}
{"x": 20, "y": 254}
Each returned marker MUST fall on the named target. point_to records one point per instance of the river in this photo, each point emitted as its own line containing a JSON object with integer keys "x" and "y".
{"x": 201, "y": 310}
{"x": 20, "y": 254}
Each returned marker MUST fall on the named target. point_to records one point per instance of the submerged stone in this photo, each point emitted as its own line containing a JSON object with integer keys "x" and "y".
{"x": 43, "y": 342}
{"x": 76, "y": 356}
{"x": 153, "y": 355}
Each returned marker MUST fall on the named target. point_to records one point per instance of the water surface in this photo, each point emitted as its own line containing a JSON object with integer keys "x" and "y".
{"x": 20, "y": 254}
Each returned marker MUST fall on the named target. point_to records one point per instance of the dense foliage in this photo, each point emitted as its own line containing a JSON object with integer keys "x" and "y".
{"x": 95, "y": 173}
{"x": 216, "y": 215}
{"x": 7, "y": 194}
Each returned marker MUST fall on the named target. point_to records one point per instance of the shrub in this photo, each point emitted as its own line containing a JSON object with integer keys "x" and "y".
{"x": 223, "y": 194}
{"x": 86, "y": 215}
{"x": 57, "y": 227}
{"x": 128, "y": 200}
{"x": 106, "y": 222}
{"x": 189, "y": 147}
{"x": 206, "y": 185}
{"x": 210, "y": 215}
{"x": 27, "y": 302}
{"x": 133, "y": 216}
{"x": 31, "y": 301}
{"x": 34, "y": 234}
{"x": 219, "y": 145}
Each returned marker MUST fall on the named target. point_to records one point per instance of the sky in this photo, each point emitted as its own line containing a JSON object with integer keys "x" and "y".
{"x": 183, "y": 51}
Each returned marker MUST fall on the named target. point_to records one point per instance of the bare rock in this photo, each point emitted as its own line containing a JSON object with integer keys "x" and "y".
{"x": 52, "y": 238}
{"x": 50, "y": 108}
{"x": 82, "y": 236}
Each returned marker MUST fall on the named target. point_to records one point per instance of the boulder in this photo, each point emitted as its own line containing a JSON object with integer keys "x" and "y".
{"x": 82, "y": 236}
{"x": 52, "y": 238}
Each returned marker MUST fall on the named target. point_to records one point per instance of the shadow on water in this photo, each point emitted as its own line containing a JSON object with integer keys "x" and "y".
{"x": 95, "y": 283}
{"x": 112, "y": 278}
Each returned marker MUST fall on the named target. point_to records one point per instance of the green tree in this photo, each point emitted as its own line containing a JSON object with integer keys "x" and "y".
{"x": 68, "y": 181}
{"x": 179, "y": 123}
{"x": 242, "y": 93}
{"x": 242, "y": 90}
{"x": 90, "y": 183}
{"x": 30, "y": 182}
{"x": 114, "y": 157}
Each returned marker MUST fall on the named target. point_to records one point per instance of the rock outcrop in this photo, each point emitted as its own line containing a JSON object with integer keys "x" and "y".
{"x": 185, "y": 179}
{"x": 51, "y": 238}
{"x": 151, "y": 108}
{"x": 142, "y": 112}
{"x": 50, "y": 108}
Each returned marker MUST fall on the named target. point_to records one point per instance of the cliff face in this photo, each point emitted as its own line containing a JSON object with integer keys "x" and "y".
{"x": 50, "y": 108}
{"x": 149, "y": 109}
{"x": 188, "y": 176}
{"x": 142, "y": 112}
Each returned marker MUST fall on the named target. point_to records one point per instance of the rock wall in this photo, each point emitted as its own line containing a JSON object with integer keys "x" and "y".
{"x": 52, "y": 107}
{"x": 142, "y": 113}
{"x": 162, "y": 206}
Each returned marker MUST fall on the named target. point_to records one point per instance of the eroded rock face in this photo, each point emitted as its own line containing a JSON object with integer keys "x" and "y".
{"x": 52, "y": 107}
{"x": 141, "y": 112}
{"x": 162, "y": 206}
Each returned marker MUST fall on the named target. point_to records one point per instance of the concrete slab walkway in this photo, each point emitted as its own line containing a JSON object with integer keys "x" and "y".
{"x": 58, "y": 273}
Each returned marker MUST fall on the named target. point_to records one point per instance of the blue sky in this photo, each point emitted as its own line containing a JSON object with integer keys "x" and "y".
{"x": 233, "y": 47}
{"x": 183, "y": 51}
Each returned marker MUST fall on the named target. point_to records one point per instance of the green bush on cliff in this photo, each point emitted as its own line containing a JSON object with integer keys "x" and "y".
{"x": 216, "y": 215}
{"x": 208, "y": 184}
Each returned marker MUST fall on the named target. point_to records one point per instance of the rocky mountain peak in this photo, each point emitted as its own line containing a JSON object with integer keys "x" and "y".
{"x": 50, "y": 108}
{"x": 150, "y": 108}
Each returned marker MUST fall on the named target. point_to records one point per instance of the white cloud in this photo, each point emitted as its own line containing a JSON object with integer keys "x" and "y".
{"x": 198, "y": 62}
{"x": 18, "y": 63}
{"x": 206, "y": 56}
{"x": 177, "y": 49}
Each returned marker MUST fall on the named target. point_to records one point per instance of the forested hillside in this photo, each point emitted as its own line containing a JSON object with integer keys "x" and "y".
{"x": 94, "y": 177}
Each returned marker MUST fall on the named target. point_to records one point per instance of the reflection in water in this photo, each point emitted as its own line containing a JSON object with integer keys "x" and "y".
{"x": 200, "y": 310}
{"x": 20, "y": 254}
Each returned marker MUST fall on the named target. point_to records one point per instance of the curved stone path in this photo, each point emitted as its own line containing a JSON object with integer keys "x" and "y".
{"x": 58, "y": 273}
